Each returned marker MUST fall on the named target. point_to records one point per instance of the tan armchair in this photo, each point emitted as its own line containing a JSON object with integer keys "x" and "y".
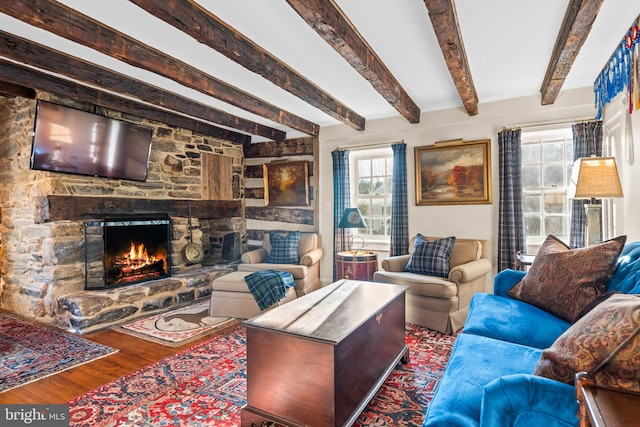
{"x": 440, "y": 303}
{"x": 306, "y": 274}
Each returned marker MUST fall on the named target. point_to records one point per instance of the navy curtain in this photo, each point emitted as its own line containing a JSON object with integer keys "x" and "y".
{"x": 511, "y": 236}
{"x": 399, "y": 202}
{"x": 587, "y": 141}
{"x": 341, "y": 201}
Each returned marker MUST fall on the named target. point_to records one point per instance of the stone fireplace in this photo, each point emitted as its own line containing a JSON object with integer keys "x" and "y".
{"x": 127, "y": 250}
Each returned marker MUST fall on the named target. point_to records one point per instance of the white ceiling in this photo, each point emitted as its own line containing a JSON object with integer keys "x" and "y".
{"x": 508, "y": 45}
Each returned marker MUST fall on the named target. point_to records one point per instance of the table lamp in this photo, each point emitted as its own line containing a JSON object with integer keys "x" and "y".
{"x": 352, "y": 218}
{"x": 594, "y": 178}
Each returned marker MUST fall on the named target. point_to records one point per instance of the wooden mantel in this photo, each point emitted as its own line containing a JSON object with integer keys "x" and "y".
{"x": 76, "y": 208}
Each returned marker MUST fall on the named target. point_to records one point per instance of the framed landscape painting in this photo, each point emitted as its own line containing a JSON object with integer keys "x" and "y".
{"x": 453, "y": 173}
{"x": 286, "y": 184}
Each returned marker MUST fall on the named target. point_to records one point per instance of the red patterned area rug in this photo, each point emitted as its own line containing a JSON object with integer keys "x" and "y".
{"x": 205, "y": 386}
{"x": 31, "y": 351}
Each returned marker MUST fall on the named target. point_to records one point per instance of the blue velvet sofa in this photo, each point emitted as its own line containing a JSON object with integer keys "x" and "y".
{"x": 488, "y": 380}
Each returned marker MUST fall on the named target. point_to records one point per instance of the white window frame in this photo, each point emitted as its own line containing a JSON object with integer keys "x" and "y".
{"x": 373, "y": 242}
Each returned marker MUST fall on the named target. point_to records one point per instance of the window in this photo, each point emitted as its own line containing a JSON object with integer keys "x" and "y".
{"x": 373, "y": 171}
{"x": 547, "y": 158}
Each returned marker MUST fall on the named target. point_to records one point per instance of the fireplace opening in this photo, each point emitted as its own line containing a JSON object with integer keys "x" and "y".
{"x": 125, "y": 251}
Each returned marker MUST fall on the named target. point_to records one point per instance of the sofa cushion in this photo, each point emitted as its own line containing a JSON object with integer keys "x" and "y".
{"x": 592, "y": 339}
{"x": 284, "y": 247}
{"x": 564, "y": 281}
{"x": 475, "y": 362}
{"x": 514, "y": 321}
{"x": 419, "y": 284}
{"x": 431, "y": 257}
{"x": 626, "y": 278}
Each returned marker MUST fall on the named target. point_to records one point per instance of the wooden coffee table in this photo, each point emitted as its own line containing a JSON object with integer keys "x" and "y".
{"x": 318, "y": 360}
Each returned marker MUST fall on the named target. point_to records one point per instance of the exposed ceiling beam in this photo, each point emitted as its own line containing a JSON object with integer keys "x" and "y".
{"x": 68, "y": 23}
{"x": 199, "y": 23}
{"x": 445, "y": 24}
{"x": 16, "y": 74}
{"x": 11, "y": 89}
{"x": 330, "y": 22}
{"x": 42, "y": 57}
{"x": 577, "y": 23}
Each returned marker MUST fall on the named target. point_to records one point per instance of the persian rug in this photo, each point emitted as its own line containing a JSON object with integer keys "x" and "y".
{"x": 30, "y": 351}
{"x": 206, "y": 386}
{"x": 177, "y": 327}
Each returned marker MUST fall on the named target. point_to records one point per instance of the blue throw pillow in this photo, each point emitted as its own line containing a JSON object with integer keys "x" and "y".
{"x": 284, "y": 249}
{"x": 431, "y": 257}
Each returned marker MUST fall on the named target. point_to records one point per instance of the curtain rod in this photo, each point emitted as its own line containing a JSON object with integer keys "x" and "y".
{"x": 563, "y": 122}
{"x": 372, "y": 145}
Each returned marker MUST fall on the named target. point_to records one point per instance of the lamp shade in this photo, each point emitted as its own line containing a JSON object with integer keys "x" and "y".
{"x": 594, "y": 178}
{"x": 352, "y": 218}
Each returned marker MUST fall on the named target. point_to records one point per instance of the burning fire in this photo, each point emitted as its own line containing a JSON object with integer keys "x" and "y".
{"x": 135, "y": 259}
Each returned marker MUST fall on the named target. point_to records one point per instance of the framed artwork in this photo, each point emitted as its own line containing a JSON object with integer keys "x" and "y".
{"x": 453, "y": 173}
{"x": 286, "y": 183}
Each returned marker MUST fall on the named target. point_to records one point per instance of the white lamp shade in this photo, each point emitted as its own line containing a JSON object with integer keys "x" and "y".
{"x": 594, "y": 177}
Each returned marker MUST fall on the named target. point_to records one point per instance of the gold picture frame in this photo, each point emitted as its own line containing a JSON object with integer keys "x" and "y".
{"x": 455, "y": 173}
{"x": 286, "y": 183}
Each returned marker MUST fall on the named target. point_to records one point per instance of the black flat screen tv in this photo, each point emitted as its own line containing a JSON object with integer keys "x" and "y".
{"x": 74, "y": 141}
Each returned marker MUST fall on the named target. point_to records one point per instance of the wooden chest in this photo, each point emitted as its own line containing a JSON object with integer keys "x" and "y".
{"x": 318, "y": 360}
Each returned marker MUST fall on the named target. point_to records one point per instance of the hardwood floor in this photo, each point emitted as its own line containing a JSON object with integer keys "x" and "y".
{"x": 134, "y": 354}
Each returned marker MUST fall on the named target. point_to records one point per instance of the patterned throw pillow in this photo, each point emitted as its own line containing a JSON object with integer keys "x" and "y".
{"x": 431, "y": 257}
{"x": 563, "y": 281}
{"x": 284, "y": 248}
{"x": 592, "y": 339}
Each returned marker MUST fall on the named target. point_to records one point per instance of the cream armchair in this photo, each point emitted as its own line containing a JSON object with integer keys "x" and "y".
{"x": 306, "y": 274}
{"x": 440, "y": 303}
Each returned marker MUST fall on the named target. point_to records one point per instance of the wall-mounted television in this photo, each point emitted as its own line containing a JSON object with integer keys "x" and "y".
{"x": 74, "y": 141}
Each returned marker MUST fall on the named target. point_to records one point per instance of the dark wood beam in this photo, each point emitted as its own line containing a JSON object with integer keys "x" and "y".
{"x": 12, "y": 89}
{"x": 445, "y": 24}
{"x": 68, "y": 23}
{"x": 39, "y": 56}
{"x": 191, "y": 18}
{"x": 577, "y": 23}
{"x": 16, "y": 74}
{"x": 330, "y": 22}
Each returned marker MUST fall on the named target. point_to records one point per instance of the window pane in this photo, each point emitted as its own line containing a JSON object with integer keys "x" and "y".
{"x": 389, "y": 164}
{"x": 553, "y": 151}
{"x": 378, "y": 167}
{"x": 364, "y": 186}
{"x": 377, "y": 227}
{"x": 554, "y": 176}
{"x": 378, "y": 206}
{"x": 364, "y": 207}
{"x": 532, "y": 204}
{"x": 364, "y": 168}
{"x": 554, "y": 203}
{"x": 378, "y": 186}
{"x": 530, "y": 153}
{"x": 532, "y": 226}
{"x": 389, "y": 185}
{"x": 531, "y": 176}
{"x": 388, "y": 205}
{"x": 554, "y": 225}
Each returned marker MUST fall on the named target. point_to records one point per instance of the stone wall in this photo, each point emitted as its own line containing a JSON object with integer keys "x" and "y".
{"x": 42, "y": 264}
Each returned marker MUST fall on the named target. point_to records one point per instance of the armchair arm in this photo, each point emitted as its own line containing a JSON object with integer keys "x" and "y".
{"x": 312, "y": 257}
{"x": 468, "y": 271}
{"x": 395, "y": 263}
{"x": 255, "y": 256}
{"x": 505, "y": 280}
{"x": 521, "y": 400}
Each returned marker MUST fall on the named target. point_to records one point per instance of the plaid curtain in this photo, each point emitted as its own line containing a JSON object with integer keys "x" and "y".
{"x": 341, "y": 201}
{"x": 587, "y": 141}
{"x": 511, "y": 237}
{"x": 399, "y": 203}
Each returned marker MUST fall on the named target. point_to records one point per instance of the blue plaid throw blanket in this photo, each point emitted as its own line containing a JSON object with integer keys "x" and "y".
{"x": 269, "y": 286}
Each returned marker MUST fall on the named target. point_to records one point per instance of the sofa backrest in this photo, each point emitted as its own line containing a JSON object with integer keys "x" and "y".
{"x": 308, "y": 242}
{"x": 464, "y": 250}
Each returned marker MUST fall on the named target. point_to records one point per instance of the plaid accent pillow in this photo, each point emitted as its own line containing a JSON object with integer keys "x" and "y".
{"x": 431, "y": 257}
{"x": 284, "y": 249}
